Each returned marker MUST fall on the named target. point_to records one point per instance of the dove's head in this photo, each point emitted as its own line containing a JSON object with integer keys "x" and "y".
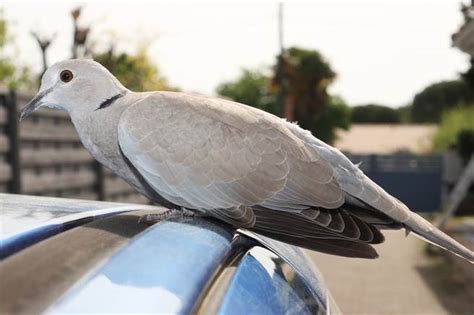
{"x": 76, "y": 86}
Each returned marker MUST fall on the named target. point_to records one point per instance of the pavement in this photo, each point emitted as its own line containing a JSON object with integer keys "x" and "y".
{"x": 403, "y": 280}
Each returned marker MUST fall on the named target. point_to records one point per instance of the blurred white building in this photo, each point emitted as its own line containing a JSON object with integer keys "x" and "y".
{"x": 386, "y": 139}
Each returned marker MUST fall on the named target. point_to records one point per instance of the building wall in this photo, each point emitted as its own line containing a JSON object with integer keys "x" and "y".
{"x": 386, "y": 139}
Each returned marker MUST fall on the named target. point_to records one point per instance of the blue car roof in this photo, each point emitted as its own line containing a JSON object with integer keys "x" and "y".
{"x": 26, "y": 220}
{"x": 141, "y": 278}
{"x": 170, "y": 266}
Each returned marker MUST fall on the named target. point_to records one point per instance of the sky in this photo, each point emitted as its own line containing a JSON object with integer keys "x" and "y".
{"x": 382, "y": 51}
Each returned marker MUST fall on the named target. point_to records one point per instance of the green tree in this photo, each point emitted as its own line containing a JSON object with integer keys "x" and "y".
{"x": 250, "y": 88}
{"x": 307, "y": 76}
{"x": 404, "y": 114}
{"x": 456, "y": 130}
{"x": 465, "y": 144}
{"x": 306, "y": 79}
{"x": 335, "y": 115}
{"x": 429, "y": 104}
{"x": 10, "y": 75}
{"x": 136, "y": 72}
{"x": 374, "y": 114}
{"x": 468, "y": 76}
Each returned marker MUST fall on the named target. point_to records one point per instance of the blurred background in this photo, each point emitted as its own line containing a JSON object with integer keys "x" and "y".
{"x": 391, "y": 84}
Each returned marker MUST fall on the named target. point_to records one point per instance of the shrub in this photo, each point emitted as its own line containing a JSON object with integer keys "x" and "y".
{"x": 456, "y": 130}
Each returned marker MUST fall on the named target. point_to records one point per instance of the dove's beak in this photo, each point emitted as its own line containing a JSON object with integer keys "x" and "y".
{"x": 34, "y": 104}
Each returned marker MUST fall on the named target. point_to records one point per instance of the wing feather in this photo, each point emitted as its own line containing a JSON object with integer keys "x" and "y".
{"x": 219, "y": 157}
{"x": 224, "y": 158}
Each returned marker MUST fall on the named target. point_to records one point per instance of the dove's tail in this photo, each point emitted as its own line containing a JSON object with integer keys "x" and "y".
{"x": 428, "y": 232}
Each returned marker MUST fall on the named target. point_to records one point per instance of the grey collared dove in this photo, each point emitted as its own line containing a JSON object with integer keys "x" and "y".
{"x": 230, "y": 161}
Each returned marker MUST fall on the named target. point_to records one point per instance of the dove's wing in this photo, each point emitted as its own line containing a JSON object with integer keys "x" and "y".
{"x": 243, "y": 166}
{"x": 216, "y": 156}
{"x": 253, "y": 169}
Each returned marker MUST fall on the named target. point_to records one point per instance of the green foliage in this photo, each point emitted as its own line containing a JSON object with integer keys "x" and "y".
{"x": 336, "y": 115}
{"x": 306, "y": 72}
{"x": 468, "y": 76}
{"x": 374, "y": 114}
{"x": 3, "y": 30}
{"x": 10, "y": 75}
{"x": 15, "y": 77}
{"x": 250, "y": 88}
{"x": 404, "y": 114}
{"x": 429, "y": 104}
{"x": 7, "y": 70}
{"x": 465, "y": 144}
{"x": 307, "y": 76}
{"x": 455, "y": 130}
{"x": 135, "y": 72}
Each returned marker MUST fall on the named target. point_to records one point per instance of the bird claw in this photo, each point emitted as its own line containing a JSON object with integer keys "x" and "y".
{"x": 153, "y": 218}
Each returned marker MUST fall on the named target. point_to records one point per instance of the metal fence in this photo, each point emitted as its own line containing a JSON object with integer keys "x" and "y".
{"x": 416, "y": 180}
{"x": 44, "y": 156}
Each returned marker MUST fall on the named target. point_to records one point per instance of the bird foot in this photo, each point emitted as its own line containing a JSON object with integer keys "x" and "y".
{"x": 153, "y": 218}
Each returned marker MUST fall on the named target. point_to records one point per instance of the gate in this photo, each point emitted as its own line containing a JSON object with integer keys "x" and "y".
{"x": 415, "y": 180}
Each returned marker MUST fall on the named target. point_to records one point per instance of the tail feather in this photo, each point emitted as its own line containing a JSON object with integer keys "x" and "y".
{"x": 338, "y": 233}
{"x": 428, "y": 232}
{"x": 329, "y": 246}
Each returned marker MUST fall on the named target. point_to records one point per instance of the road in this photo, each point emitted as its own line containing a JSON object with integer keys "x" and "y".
{"x": 404, "y": 280}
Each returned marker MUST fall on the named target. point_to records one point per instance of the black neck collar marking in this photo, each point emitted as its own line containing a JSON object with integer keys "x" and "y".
{"x": 110, "y": 101}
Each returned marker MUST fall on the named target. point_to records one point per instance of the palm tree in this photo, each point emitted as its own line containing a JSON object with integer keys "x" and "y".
{"x": 306, "y": 77}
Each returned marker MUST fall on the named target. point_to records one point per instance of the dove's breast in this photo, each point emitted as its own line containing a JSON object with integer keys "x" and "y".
{"x": 98, "y": 134}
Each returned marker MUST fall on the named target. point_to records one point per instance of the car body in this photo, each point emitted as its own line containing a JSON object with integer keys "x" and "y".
{"x": 74, "y": 256}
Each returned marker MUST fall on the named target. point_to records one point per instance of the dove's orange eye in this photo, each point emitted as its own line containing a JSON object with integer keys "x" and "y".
{"x": 66, "y": 76}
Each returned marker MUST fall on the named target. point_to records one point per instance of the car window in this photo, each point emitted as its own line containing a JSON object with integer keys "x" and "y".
{"x": 263, "y": 283}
